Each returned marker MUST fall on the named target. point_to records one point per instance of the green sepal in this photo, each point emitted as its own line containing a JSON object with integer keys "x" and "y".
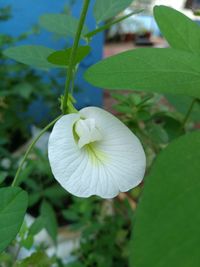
{"x": 70, "y": 104}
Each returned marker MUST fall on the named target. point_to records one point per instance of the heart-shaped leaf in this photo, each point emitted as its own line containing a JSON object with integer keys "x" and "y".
{"x": 13, "y": 205}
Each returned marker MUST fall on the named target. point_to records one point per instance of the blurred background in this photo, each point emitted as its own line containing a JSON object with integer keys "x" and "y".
{"x": 29, "y": 100}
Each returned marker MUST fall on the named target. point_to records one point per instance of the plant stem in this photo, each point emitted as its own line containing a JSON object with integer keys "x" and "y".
{"x": 15, "y": 181}
{"x": 70, "y": 70}
{"x": 188, "y": 113}
{"x": 108, "y": 25}
{"x": 73, "y": 81}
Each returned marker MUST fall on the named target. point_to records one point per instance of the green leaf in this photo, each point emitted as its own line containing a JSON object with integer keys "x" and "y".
{"x": 71, "y": 215}
{"x": 31, "y": 55}
{"x": 182, "y": 105}
{"x": 180, "y": 31}
{"x": 48, "y": 215}
{"x": 150, "y": 69}
{"x": 171, "y": 124}
{"x": 122, "y": 108}
{"x": 55, "y": 192}
{"x": 23, "y": 89}
{"x": 6, "y": 258}
{"x": 158, "y": 134}
{"x": 166, "y": 230}
{"x": 62, "y": 57}
{"x": 13, "y": 205}
{"x": 105, "y": 9}
{"x": 37, "y": 226}
{"x": 61, "y": 24}
{"x": 27, "y": 242}
{"x": 37, "y": 259}
{"x": 34, "y": 198}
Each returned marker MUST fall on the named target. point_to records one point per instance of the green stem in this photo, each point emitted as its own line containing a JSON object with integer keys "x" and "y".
{"x": 108, "y": 25}
{"x": 188, "y": 113}
{"x": 70, "y": 69}
{"x": 16, "y": 178}
{"x": 73, "y": 81}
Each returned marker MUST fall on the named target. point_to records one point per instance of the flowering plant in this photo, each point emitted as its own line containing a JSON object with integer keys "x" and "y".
{"x": 91, "y": 152}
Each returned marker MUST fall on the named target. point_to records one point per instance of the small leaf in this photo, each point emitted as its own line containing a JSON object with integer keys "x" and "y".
{"x": 34, "y": 198}
{"x": 54, "y": 192}
{"x": 173, "y": 127}
{"x": 158, "y": 134}
{"x": 180, "y": 31}
{"x": 182, "y": 105}
{"x": 61, "y": 24}
{"x": 23, "y": 89}
{"x": 166, "y": 229}
{"x": 150, "y": 69}
{"x": 27, "y": 242}
{"x": 62, "y": 57}
{"x": 31, "y": 55}
{"x": 48, "y": 215}
{"x": 106, "y": 9}
{"x": 171, "y": 124}
{"x": 37, "y": 259}
{"x": 71, "y": 215}
{"x": 13, "y": 205}
{"x": 37, "y": 226}
{"x": 122, "y": 108}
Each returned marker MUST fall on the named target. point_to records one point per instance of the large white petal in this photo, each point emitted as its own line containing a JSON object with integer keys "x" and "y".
{"x": 113, "y": 164}
{"x": 126, "y": 159}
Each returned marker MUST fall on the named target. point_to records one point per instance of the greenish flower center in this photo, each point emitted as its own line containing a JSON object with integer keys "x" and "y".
{"x": 86, "y": 135}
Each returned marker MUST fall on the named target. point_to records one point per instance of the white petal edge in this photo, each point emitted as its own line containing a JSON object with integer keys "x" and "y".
{"x": 121, "y": 169}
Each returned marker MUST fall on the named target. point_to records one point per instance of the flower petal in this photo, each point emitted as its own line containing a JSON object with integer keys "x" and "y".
{"x": 105, "y": 167}
{"x": 127, "y": 160}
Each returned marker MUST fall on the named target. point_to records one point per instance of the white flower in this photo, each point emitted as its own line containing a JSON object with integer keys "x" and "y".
{"x": 94, "y": 153}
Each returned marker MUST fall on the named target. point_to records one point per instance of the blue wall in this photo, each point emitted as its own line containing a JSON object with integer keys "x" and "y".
{"x": 26, "y": 13}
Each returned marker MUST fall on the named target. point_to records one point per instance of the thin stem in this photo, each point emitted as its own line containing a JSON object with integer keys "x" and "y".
{"x": 70, "y": 69}
{"x": 16, "y": 178}
{"x": 188, "y": 112}
{"x": 73, "y": 81}
{"x": 108, "y": 25}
